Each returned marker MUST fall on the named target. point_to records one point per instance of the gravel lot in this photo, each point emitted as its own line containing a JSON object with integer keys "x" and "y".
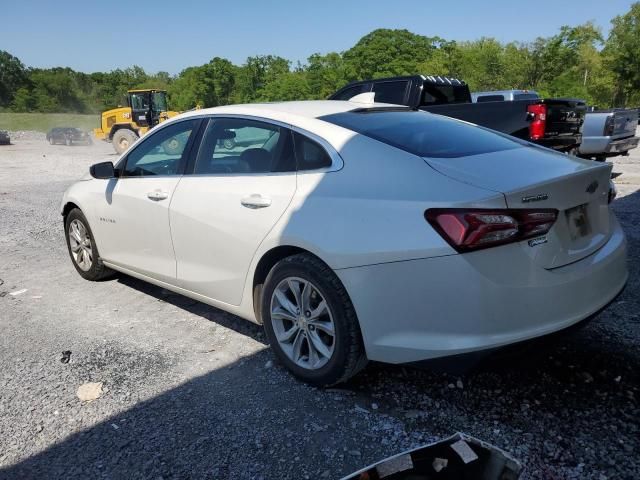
{"x": 192, "y": 392}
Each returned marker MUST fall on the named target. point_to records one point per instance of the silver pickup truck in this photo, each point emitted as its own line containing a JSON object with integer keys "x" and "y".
{"x": 609, "y": 133}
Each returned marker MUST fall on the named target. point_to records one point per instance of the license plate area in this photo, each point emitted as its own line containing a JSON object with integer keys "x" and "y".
{"x": 578, "y": 222}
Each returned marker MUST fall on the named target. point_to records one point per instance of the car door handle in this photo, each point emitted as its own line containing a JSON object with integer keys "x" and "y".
{"x": 158, "y": 195}
{"x": 255, "y": 201}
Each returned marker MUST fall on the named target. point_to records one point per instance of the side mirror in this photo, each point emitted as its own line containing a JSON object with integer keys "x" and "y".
{"x": 102, "y": 170}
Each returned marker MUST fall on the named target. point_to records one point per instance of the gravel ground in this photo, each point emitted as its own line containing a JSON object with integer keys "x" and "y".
{"x": 192, "y": 392}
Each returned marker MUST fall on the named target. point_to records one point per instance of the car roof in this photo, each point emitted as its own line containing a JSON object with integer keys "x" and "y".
{"x": 302, "y": 114}
{"x": 290, "y": 112}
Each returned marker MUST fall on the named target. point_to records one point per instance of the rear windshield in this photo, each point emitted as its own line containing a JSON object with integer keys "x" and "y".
{"x": 424, "y": 134}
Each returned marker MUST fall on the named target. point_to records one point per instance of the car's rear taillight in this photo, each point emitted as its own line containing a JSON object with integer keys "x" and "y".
{"x": 474, "y": 229}
{"x": 613, "y": 191}
{"x": 609, "y": 126}
{"x": 538, "y": 125}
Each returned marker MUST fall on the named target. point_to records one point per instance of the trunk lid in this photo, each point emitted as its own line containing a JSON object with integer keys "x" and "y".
{"x": 565, "y": 116}
{"x": 536, "y": 178}
{"x": 625, "y": 123}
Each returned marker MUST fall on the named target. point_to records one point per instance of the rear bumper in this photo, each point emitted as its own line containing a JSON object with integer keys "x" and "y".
{"x": 607, "y": 145}
{"x": 559, "y": 143}
{"x": 438, "y": 307}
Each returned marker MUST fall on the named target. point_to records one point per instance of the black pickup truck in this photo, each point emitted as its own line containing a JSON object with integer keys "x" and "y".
{"x": 554, "y": 123}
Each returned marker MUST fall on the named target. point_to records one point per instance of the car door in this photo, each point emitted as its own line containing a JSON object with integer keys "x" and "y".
{"x": 133, "y": 219}
{"x": 223, "y": 210}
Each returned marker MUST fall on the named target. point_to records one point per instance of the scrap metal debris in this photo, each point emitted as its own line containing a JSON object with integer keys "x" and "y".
{"x": 88, "y": 392}
{"x": 455, "y": 458}
{"x": 66, "y": 356}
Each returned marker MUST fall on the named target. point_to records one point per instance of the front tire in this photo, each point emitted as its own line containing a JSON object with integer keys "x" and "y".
{"x": 82, "y": 247}
{"x": 310, "y": 321}
{"x": 123, "y": 139}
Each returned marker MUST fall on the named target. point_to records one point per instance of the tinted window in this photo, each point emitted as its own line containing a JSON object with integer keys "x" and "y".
{"x": 526, "y": 96}
{"x": 349, "y": 93}
{"x": 441, "y": 94}
{"x": 390, "y": 92}
{"x": 237, "y": 145}
{"x": 490, "y": 98}
{"x": 161, "y": 152}
{"x": 424, "y": 134}
{"x": 310, "y": 154}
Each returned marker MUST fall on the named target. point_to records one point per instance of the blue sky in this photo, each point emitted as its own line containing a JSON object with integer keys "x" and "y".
{"x": 171, "y": 35}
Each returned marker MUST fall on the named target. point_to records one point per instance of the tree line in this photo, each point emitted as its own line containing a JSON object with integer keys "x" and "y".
{"x": 576, "y": 62}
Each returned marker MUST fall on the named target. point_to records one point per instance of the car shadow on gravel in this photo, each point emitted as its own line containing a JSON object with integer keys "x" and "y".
{"x": 227, "y": 320}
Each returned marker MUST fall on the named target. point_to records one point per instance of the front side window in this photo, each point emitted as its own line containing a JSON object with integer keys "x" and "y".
{"x": 238, "y": 145}
{"x": 162, "y": 152}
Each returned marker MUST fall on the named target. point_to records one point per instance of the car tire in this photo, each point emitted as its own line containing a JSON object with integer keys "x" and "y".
{"x": 229, "y": 143}
{"x": 123, "y": 139}
{"x": 337, "y": 359}
{"x": 81, "y": 245}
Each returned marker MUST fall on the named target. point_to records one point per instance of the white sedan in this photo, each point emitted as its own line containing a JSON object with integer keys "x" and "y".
{"x": 355, "y": 231}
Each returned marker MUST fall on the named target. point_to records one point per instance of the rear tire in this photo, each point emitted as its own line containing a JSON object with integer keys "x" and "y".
{"x": 299, "y": 331}
{"x": 123, "y": 139}
{"x": 82, "y": 247}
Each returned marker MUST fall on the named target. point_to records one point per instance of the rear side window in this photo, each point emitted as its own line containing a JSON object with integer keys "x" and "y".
{"x": 310, "y": 155}
{"x": 424, "y": 134}
{"x": 390, "y": 92}
{"x": 442, "y": 94}
{"x": 237, "y": 145}
{"x": 526, "y": 96}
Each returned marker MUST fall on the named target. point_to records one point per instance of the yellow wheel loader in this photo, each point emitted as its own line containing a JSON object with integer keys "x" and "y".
{"x": 124, "y": 125}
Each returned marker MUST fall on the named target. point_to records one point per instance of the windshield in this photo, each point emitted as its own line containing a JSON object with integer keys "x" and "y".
{"x": 424, "y": 134}
{"x": 159, "y": 101}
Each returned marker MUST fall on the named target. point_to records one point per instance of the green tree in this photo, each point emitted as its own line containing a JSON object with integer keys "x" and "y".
{"x": 622, "y": 53}
{"x": 384, "y": 53}
{"x": 327, "y": 73}
{"x": 255, "y": 74}
{"x": 13, "y": 76}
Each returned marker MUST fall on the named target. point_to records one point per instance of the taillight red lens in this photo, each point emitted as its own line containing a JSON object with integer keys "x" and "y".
{"x": 474, "y": 229}
{"x": 538, "y": 123}
{"x": 609, "y": 126}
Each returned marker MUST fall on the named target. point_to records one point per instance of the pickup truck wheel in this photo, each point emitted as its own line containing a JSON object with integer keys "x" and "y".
{"x": 310, "y": 321}
{"x": 123, "y": 139}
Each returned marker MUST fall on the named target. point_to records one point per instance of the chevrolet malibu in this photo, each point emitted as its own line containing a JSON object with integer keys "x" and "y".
{"x": 355, "y": 231}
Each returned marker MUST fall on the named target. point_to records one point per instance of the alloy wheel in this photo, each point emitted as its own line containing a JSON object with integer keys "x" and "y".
{"x": 303, "y": 323}
{"x": 80, "y": 245}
